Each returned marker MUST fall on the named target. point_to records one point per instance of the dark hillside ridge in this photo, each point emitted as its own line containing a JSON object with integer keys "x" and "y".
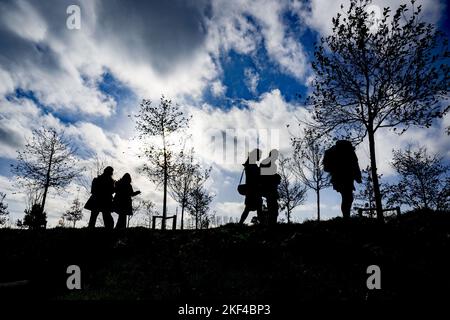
{"x": 303, "y": 262}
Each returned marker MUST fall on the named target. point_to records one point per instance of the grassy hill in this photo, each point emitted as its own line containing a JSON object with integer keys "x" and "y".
{"x": 304, "y": 262}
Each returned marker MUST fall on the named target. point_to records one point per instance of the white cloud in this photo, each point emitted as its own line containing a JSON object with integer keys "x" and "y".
{"x": 287, "y": 51}
{"x": 251, "y": 80}
{"x": 6, "y": 82}
{"x": 266, "y": 117}
{"x": 176, "y": 49}
{"x": 318, "y": 14}
{"x": 218, "y": 89}
{"x": 245, "y": 25}
{"x": 22, "y": 19}
{"x": 434, "y": 138}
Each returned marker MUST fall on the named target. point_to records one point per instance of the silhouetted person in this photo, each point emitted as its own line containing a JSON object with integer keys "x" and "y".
{"x": 102, "y": 190}
{"x": 342, "y": 164}
{"x": 253, "y": 200}
{"x": 270, "y": 180}
{"x": 122, "y": 203}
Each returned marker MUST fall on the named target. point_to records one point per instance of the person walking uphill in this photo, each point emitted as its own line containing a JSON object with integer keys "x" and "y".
{"x": 102, "y": 190}
{"x": 253, "y": 200}
{"x": 122, "y": 203}
{"x": 342, "y": 164}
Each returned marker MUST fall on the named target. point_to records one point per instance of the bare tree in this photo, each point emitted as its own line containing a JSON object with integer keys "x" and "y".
{"x": 75, "y": 213}
{"x": 94, "y": 168}
{"x": 392, "y": 74}
{"x": 200, "y": 199}
{"x": 182, "y": 183}
{"x": 136, "y": 206}
{"x": 148, "y": 210}
{"x": 3, "y": 209}
{"x": 307, "y": 164}
{"x": 424, "y": 180}
{"x": 160, "y": 121}
{"x": 47, "y": 161}
{"x": 292, "y": 191}
{"x": 366, "y": 196}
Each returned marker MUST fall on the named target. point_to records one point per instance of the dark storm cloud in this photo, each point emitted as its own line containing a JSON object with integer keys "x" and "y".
{"x": 159, "y": 32}
{"x": 162, "y": 33}
{"x": 10, "y": 137}
{"x": 165, "y": 32}
{"x": 18, "y": 55}
{"x": 40, "y": 54}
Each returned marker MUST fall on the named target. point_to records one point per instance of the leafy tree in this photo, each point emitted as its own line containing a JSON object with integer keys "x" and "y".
{"x": 307, "y": 164}
{"x": 19, "y": 224}
{"x": 292, "y": 191}
{"x": 35, "y": 217}
{"x": 161, "y": 122}
{"x": 47, "y": 161}
{"x": 367, "y": 77}
{"x": 3, "y": 209}
{"x": 75, "y": 213}
{"x": 424, "y": 180}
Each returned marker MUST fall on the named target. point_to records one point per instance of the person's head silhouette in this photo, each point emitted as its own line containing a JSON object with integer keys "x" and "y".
{"x": 253, "y": 156}
{"x": 108, "y": 171}
{"x": 126, "y": 178}
{"x": 344, "y": 145}
{"x": 273, "y": 154}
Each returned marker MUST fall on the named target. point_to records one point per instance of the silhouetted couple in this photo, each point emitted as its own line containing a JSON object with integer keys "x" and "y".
{"x": 261, "y": 181}
{"x": 101, "y": 200}
{"x": 342, "y": 164}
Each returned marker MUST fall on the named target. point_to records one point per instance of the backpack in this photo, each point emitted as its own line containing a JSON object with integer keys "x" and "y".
{"x": 329, "y": 159}
{"x": 276, "y": 179}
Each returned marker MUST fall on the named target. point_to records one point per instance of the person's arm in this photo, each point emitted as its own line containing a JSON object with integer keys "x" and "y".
{"x": 134, "y": 193}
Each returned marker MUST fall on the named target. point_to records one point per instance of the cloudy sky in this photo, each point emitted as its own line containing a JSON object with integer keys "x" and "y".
{"x": 231, "y": 64}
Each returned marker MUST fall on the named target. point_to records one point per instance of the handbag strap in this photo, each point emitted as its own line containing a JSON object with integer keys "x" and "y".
{"x": 242, "y": 174}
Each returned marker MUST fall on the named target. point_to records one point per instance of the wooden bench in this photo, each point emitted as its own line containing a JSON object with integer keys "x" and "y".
{"x": 174, "y": 221}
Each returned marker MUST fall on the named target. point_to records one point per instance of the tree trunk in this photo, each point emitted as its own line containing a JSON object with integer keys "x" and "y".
{"x": 164, "y": 213}
{"x": 47, "y": 180}
{"x": 44, "y": 196}
{"x": 424, "y": 195}
{"x": 289, "y": 215}
{"x": 318, "y": 202}
{"x": 163, "y": 225}
{"x": 182, "y": 217}
{"x": 373, "y": 168}
{"x": 196, "y": 220}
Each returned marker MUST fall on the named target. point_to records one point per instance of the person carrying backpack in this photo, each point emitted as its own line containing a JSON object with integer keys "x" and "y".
{"x": 102, "y": 190}
{"x": 341, "y": 162}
